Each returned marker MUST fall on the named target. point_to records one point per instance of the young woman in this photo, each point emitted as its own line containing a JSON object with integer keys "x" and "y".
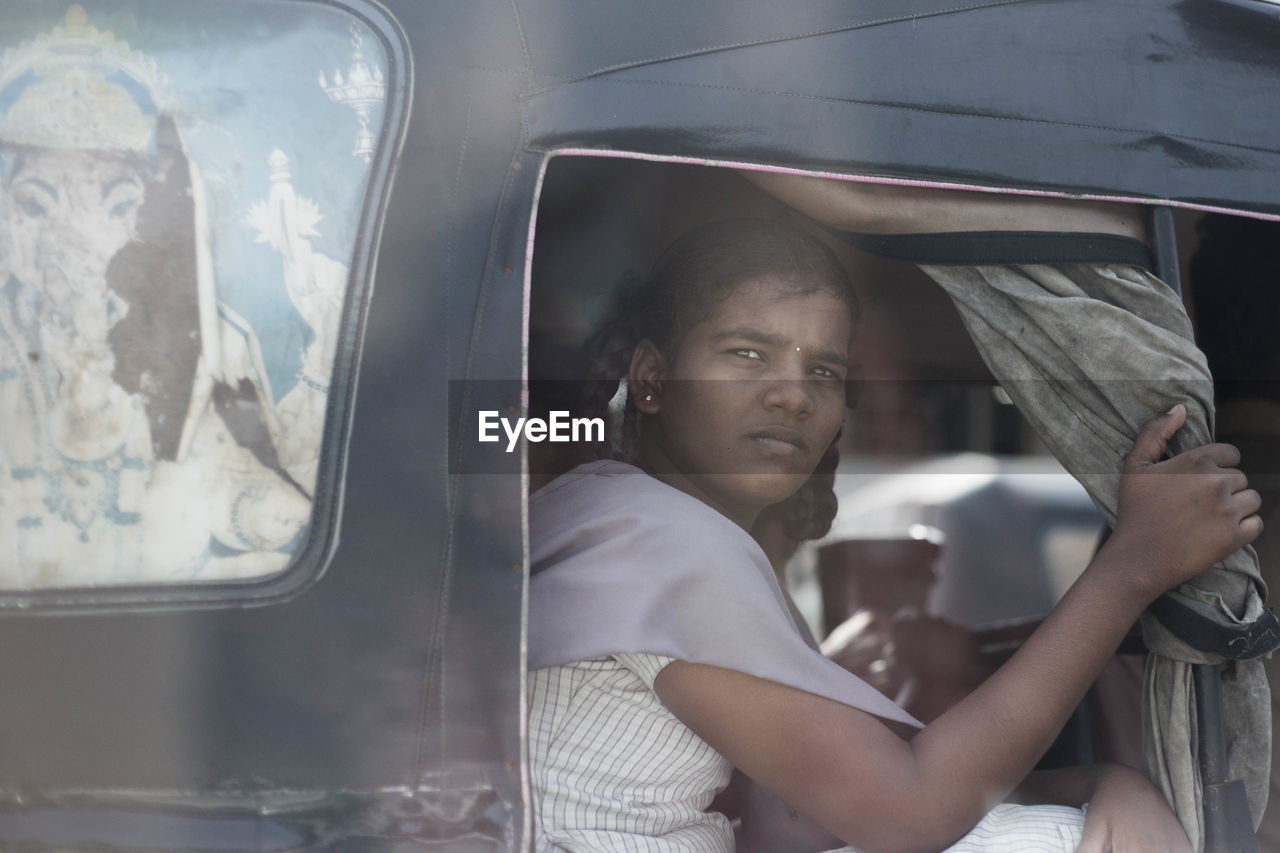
{"x": 661, "y": 648}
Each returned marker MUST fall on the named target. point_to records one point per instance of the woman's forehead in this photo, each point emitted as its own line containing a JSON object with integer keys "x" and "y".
{"x": 773, "y": 296}
{"x": 775, "y": 308}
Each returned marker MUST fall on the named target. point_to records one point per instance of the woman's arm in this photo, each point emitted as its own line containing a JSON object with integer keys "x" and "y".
{"x": 893, "y": 209}
{"x": 847, "y": 771}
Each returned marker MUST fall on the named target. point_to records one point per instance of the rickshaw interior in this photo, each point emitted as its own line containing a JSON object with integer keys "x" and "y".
{"x": 957, "y": 531}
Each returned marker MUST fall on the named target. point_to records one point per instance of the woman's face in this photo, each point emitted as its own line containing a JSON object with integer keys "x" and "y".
{"x": 752, "y": 397}
{"x": 69, "y": 213}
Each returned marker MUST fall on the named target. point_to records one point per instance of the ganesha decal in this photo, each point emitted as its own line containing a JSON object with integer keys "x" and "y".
{"x": 162, "y": 397}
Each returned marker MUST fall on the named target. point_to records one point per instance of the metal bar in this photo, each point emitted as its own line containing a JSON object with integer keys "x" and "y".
{"x": 1211, "y": 740}
{"x": 1228, "y": 826}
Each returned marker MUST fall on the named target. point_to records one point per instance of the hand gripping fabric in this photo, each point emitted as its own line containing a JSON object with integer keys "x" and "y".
{"x": 1090, "y": 353}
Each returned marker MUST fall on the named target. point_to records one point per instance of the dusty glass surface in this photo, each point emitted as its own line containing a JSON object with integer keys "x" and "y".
{"x": 180, "y": 189}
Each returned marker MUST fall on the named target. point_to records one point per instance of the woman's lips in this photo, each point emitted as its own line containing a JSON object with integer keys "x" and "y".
{"x": 783, "y": 441}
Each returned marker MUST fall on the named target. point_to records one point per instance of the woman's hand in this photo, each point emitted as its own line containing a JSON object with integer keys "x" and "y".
{"x": 1180, "y": 516}
{"x": 1127, "y": 814}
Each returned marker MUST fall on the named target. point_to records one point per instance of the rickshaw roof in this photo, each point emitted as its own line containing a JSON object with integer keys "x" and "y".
{"x": 1149, "y": 99}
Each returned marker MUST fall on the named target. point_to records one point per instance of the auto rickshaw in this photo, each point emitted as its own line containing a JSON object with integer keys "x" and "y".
{"x": 263, "y": 589}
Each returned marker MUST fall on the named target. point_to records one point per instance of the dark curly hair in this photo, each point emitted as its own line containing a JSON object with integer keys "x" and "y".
{"x": 809, "y": 512}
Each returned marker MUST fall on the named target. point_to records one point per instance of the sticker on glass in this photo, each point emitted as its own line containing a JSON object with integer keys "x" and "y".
{"x": 178, "y": 212}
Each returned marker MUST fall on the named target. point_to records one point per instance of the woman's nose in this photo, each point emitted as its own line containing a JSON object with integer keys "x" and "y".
{"x": 788, "y": 394}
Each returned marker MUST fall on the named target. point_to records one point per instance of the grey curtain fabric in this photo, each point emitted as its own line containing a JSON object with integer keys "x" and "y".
{"x": 1091, "y": 352}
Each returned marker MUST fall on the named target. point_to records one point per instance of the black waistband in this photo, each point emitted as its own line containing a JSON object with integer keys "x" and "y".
{"x": 983, "y": 248}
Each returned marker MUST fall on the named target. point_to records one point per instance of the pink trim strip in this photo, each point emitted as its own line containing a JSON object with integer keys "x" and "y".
{"x": 522, "y": 722}
{"x": 527, "y": 296}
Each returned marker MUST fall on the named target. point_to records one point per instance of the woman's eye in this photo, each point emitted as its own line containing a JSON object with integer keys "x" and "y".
{"x": 748, "y": 353}
{"x": 824, "y": 372}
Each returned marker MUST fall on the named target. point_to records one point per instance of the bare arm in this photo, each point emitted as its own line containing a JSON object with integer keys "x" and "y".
{"x": 852, "y": 775}
{"x": 891, "y": 209}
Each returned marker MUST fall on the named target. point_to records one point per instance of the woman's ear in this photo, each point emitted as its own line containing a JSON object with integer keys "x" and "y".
{"x": 644, "y": 378}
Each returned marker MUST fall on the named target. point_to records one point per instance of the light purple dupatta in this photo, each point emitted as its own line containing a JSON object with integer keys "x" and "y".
{"x": 623, "y": 563}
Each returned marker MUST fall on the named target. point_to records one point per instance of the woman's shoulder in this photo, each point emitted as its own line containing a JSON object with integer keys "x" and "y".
{"x": 622, "y": 562}
{"x": 609, "y": 485}
{"x": 607, "y": 503}
{"x": 583, "y": 476}
{"x": 602, "y": 475}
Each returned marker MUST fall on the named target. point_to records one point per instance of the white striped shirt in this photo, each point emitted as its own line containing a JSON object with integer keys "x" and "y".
{"x": 614, "y": 770}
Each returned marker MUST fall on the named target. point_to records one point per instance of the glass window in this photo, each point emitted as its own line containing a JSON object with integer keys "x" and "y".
{"x": 181, "y": 192}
